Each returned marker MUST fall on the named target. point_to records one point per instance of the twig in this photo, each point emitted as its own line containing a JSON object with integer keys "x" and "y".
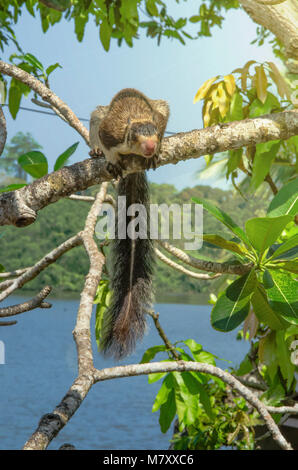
{"x": 271, "y": 183}
{"x": 32, "y": 272}
{"x": 162, "y": 334}
{"x": 17, "y": 272}
{"x": 283, "y": 409}
{"x": 37, "y": 301}
{"x": 47, "y": 95}
{"x": 7, "y": 323}
{"x": 205, "y": 265}
{"x": 183, "y": 270}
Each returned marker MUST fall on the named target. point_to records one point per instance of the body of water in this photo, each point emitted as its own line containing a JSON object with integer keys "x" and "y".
{"x": 40, "y": 365}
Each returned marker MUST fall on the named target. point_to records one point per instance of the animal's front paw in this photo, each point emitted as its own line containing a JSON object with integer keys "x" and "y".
{"x": 96, "y": 153}
{"x": 152, "y": 162}
{"x": 114, "y": 169}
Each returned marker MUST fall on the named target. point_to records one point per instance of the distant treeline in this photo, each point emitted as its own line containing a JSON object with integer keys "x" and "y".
{"x": 57, "y": 222}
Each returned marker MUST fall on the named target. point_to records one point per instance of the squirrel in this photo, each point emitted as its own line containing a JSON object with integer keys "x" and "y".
{"x": 132, "y": 125}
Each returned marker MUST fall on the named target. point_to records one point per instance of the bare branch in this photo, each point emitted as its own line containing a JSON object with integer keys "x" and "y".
{"x": 37, "y": 301}
{"x": 183, "y": 270}
{"x": 222, "y": 268}
{"x": 7, "y": 323}
{"x": 52, "y": 423}
{"x": 47, "y": 95}
{"x": 15, "y": 273}
{"x": 293, "y": 410}
{"x": 81, "y": 332}
{"x": 32, "y": 272}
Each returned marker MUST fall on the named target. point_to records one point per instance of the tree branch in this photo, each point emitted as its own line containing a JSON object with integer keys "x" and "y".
{"x": 37, "y": 301}
{"x": 210, "y": 266}
{"x": 47, "y": 95}
{"x": 180, "y": 268}
{"x": 51, "y": 424}
{"x": 13, "y": 284}
{"x": 281, "y": 19}
{"x": 19, "y": 207}
{"x": 169, "y": 345}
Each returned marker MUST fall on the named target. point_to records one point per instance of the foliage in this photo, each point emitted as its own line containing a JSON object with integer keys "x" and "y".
{"x": 116, "y": 19}
{"x": 21, "y": 143}
{"x": 209, "y": 416}
{"x": 32, "y": 162}
{"x": 250, "y": 91}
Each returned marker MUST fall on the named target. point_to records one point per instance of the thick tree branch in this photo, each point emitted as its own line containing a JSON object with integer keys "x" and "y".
{"x": 81, "y": 332}
{"x": 52, "y": 423}
{"x": 281, "y": 19}
{"x": 20, "y": 207}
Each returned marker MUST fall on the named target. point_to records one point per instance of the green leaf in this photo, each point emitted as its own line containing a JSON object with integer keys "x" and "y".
{"x": 264, "y": 156}
{"x": 163, "y": 392}
{"x": 167, "y": 412}
{"x": 291, "y": 266}
{"x": 264, "y": 312}
{"x": 151, "y": 353}
{"x": 34, "y": 163}
{"x": 282, "y": 293}
{"x": 102, "y": 299}
{"x": 193, "y": 345}
{"x": 12, "y": 187}
{"x": 53, "y": 67}
{"x": 33, "y": 61}
{"x": 105, "y": 34}
{"x": 286, "y": 246}
{"x": 14, "y": 100}
{"x": 221, "y": 242}
{"x": 62, "y": 159}
{"x": 236, "y": 111}
{"x": 285, "y": 201}
{"x": 2, "y": 268}
{"x": 283, "y": 354}
{"x": 224, "y": 218}
{"x": 155, "y": 377}
{"x": 235, "y": 157}
{"x": 257, "y": 108}
{"x": 263, "y": 231}
{"x": 195, "y": 387}
{"x": 245, "y": 366}
{"x": 232, "y": 306}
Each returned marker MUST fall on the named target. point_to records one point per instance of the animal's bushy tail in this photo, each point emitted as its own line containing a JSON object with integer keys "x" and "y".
{"x": 132, "y": 263}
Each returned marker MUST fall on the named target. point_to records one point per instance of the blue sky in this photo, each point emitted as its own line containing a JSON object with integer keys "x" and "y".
{"x": 91, "y": 76}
